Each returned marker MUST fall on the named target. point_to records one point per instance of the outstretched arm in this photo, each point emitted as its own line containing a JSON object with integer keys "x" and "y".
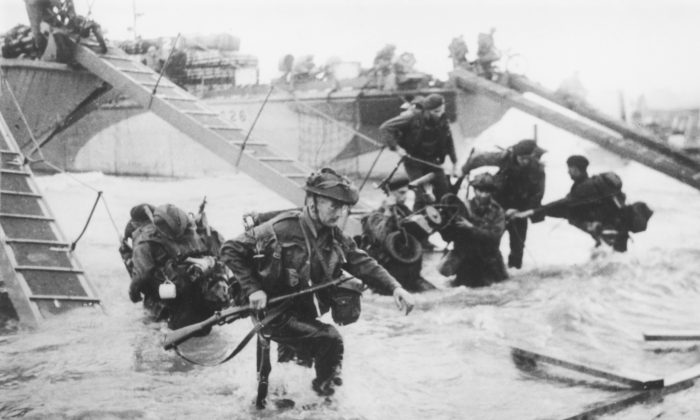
{"x": 392, "y": 130}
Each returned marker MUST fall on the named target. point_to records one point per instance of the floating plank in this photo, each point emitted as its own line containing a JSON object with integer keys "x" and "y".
{"x": 673, "y": 383}
{"x": 633, "y": 379}
{"x": 688, "y": 335}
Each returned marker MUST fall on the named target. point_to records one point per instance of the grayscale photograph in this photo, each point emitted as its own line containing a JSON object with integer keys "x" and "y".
{"x": 349, "y": 209}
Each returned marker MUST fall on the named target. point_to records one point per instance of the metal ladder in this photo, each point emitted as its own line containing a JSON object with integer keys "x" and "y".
{"x": 39, "y": 274}
{"x": 634, "y": 147}
{"x": 185, "y": 112}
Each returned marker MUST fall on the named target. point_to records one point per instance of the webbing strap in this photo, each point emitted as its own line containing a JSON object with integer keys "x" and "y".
{"x": 272, "y": 314}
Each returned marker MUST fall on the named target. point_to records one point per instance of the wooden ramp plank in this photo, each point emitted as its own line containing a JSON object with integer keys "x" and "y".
{"x": 676, "y": 168}
{"x": 633, "y": 379}
{"x": 178, "y": 116}
{"x": 24, "y": 283}
{"x": 672, "y": 383}
{"x": 523, "y": 84}
{"x": 687, "y": 335}
{"x": 201, "y": 124}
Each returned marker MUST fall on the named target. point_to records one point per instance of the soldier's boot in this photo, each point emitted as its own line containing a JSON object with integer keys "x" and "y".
{"x": 326, "y": 387}
{"x": 323, "y": 388}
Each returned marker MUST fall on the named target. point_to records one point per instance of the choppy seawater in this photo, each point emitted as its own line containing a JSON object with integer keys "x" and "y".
{"x": 449, "y": 359}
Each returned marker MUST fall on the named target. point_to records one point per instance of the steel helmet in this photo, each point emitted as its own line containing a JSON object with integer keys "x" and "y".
{"x": 171, "y": 220}
{"x": 328, "y": 183}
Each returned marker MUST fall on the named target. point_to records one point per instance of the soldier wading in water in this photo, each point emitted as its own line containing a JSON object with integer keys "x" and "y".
{"x": 296, "y": 250}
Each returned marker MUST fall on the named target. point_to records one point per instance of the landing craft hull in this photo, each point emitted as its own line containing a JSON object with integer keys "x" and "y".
{"x": 314, "y": 126}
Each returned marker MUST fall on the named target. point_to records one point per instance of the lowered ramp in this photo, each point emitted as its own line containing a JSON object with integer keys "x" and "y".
{"x": 281, "y": 174}
{"x": 628, "y": 142}
{"x": 39, "y": 277}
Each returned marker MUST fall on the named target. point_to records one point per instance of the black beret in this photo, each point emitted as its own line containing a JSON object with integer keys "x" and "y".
{"x": 433, "y": 101}
{"x": 398, "y": 183}
{"x": 577, "y": 161}
{"x": 527, "y": 147}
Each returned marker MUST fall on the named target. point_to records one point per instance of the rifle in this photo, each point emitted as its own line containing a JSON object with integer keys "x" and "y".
{"x": 454, "y": 189}
{"x": 229, "y": 315}
{"x": 203, "y": 217}
{"x": 384, "y": 184}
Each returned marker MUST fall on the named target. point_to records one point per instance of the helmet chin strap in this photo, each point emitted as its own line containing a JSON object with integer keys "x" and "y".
{"x": 318, "y": 218}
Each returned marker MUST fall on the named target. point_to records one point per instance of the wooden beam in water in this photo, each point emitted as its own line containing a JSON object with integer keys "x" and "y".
{"x": 672, "y": 336}
{"x": 633, "y": 379}
{"x": 673, "y": 383}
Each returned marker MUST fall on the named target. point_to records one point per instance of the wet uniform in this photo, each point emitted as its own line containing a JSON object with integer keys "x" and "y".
{"x": 517, "y": 187}
{"x": 150, "y": 256}
{"x": 425, "y": 140}
{"x": 376, "y": 227}
{"x": 297, "y": 253}
{"x": 476, "y": 258}
{"x": 594, "y": 207}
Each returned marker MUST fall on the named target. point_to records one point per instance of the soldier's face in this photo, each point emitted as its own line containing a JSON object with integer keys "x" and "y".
{"x": 575, "y": 173}
{"x": 400, "y": 195}
{"x": 482, "y": 196}
{"x": 525, "y": 160}
{"x": 436, "y": 113}
{"x": 329, "y": 212}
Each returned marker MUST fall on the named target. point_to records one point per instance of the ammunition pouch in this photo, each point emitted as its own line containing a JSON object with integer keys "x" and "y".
{"x": 346, "y": 302}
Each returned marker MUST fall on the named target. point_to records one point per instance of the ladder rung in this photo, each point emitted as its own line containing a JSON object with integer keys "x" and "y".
{"x": 275, "y": 159}
{"x": 137, "y": 71}
{"x": 26, "y": 216}
{"x": 214, "y": 114}
{"x": 8, "y": 152}
{"x": 20, "y": 193}
{"x": 153, "y": 84}
{"x": 250, "y": 143}
{"x": 176, "y": 98}
{"x": 38, "y": 242}
{"x": 47, "y": 268}
{"x": 117, "y": 57}
{"x": 63, "y": 297}
{"x": 223, "y": 127}
{"x": 12, "y": 171}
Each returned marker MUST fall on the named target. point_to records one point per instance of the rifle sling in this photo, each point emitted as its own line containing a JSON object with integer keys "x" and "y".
{"x": 272, "y": 314}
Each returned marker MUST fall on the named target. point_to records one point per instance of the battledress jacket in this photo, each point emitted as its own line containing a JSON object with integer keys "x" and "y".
{"x": 476, "y": 257}
{"x": 300, "y": 264}
{"x": 150, "y": 255}
{"x": 586, "y": 202}
{"x": 420, "y": 138}
{"x": 518, "y": 187}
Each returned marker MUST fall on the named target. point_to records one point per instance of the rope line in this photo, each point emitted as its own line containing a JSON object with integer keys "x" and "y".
{"x": 42, "y": 159}
{"x": 87, "y": 222}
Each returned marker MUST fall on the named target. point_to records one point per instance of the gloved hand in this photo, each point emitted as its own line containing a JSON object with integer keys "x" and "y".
{"x": 134, "y": 292}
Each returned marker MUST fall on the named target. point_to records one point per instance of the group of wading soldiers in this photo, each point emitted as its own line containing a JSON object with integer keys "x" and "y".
{"x": 185, "y": 272}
